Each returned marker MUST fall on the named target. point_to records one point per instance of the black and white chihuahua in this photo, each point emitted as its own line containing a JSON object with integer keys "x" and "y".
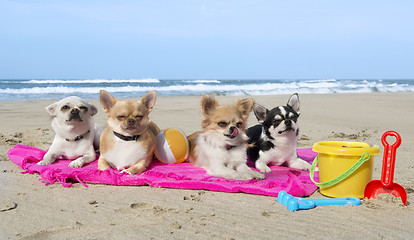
{"x": 275, "y": 139}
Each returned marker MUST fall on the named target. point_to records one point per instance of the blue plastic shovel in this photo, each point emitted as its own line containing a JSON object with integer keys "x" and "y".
{"x": 298, "y": 203}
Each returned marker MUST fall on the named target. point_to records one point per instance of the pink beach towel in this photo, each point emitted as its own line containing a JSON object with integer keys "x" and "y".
{"x": 181, "y": 176}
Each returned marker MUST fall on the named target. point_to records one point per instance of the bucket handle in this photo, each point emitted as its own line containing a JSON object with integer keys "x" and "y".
{"x": 364, "y": 157}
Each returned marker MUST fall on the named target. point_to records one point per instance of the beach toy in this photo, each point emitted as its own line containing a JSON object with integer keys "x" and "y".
{"x": 386, "y": 184}
{"x": 345, "y": 168}
{"x": 172, "y": 146}
{"x": 298, "y": 203}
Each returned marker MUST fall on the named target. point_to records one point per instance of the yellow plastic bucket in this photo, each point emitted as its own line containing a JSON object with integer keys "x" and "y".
{"x": 345, "y": 168}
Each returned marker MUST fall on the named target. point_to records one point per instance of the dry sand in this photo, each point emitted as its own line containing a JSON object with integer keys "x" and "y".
{"x": 31, "y": 210}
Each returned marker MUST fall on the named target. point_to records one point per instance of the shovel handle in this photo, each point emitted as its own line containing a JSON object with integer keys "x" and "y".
{"x": 388, "y": 162}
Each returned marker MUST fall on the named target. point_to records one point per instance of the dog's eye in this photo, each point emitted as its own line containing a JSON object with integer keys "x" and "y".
{"x": 222, "y": 124}
{"x": 120, "y": 117}
{"x": 293, "y": 117}
{"x": 239, "y": 124}
{"x": 83, "y": 108}
{"x": 139, "y": 116}
{"x": 277, "y": 122}
{"x": 66, "y": 107}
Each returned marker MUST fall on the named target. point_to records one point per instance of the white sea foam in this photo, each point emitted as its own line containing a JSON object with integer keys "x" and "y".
{"x": 231, "y": 89}
{"x": 37, "y": 89}
{"x": 205, "y": 81}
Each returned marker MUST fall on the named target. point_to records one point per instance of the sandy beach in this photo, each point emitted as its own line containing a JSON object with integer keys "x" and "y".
{"x": 31, "y": 210}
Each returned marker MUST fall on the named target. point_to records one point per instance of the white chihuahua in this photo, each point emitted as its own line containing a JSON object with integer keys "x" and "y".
{"x": 76, "y": 135}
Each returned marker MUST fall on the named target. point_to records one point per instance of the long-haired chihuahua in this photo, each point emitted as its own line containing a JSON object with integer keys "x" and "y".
{"x": 220, "y": 147}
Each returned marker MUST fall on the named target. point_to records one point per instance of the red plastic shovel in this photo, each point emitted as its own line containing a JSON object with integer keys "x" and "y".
{"x": 386, "y": 185}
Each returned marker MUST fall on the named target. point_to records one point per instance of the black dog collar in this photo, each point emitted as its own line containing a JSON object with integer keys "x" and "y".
{"x": 127, "y": 138}
{"x": 78, "y": 137}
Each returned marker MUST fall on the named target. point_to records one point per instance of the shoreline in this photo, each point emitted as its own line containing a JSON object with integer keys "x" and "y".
{"x": 118, "y": 212}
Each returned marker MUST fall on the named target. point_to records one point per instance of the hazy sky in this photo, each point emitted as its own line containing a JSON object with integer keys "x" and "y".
{"x": 212, "y": 39}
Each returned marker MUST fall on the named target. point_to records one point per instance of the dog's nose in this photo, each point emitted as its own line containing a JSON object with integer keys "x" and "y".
{"x": 74, "y": 111}
{"x": 288, "y": 122}
{"x": 131, "y": 121}
{"x": 232, "y": 129}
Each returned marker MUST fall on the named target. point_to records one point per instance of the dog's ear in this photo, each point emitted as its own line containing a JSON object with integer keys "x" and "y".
{"x": 245, "y": 106}
{"x": 149, "y": 100}
{"x": 107, "y": 100}
{"x": 52, "y": 109}
{"x": 260, "y": 112}
{"x": 94, "y": 109}
{"x": 209, "y": 104}
{"x": 294, "y": 103}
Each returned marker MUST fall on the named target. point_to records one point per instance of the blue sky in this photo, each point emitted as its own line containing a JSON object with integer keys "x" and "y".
{"x": 214, "y": 39}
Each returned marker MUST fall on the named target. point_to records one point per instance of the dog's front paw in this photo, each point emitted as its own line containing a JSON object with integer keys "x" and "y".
{"x": 242, "y": 177}
{"x": 307, "y": 168}
{"x": 127, "y": 171}
{"x": 103, "y": 164}
{"x": 48, "y": 158}
{"x": 300, "y": 164}
{"x": 258, "y": 176}
{"x": 44, "y": 162}
{"x": 262, "y": 167}
{"x": 76, "y": 164}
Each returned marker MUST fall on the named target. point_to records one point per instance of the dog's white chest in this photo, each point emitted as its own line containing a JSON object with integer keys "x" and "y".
{"x": 284, "y": 150}
{"x": 71, "y": 149}
{"x": 125, "y": 154}
{"x": 210, "y": 156}
{"x": 275, "y": 155}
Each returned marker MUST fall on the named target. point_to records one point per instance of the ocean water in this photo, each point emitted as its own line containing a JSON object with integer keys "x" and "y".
{"x": 34, "y": 89}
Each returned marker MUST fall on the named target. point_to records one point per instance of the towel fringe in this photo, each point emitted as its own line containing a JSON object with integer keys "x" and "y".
{"x": 78, "y": 179}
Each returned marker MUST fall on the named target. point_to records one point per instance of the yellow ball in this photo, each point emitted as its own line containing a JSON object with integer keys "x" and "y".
{"x": 172, "y": 146}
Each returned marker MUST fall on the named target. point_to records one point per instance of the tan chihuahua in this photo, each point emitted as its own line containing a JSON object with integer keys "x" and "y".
{"x": 128, "y": 142}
